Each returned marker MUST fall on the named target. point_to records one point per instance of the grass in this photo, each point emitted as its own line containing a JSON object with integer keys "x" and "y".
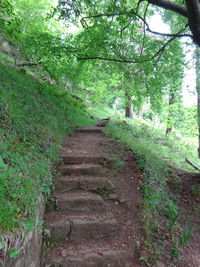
{"x": 34, "y": 117}
{"x": 154, "y": 152}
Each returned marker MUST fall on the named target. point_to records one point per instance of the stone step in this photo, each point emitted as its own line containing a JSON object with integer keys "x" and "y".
{"x": 81, "y": 169}
{"x": 102, "y": 123}
{"x": 94, "y": 129}
{"x": 90, "y": 255}
{"x": 80, "y": 201}
{"x": 81, "y": 227}
{"x": 81, "y": 159}
{"x": 87, "y": 183}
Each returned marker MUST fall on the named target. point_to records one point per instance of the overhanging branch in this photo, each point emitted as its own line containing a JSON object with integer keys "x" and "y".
{"x": 170, "y": 6}
{"x": 108, "y": 59}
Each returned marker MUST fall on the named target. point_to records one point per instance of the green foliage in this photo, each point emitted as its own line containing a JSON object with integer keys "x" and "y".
{"x": 186, "y": 234}
{"x": 172, "y": 213}
{"x": 195, "y": 190}
{"x": 34, "y": 118}
{"x": 103, "y": 191}
{"x": 175, "y": 253}
{"x": 152, "y": 151}
{"x": 9, "y": 20}
{"x": 14, "y": 253}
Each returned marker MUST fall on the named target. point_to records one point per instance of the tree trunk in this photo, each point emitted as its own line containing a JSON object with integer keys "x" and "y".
{"x": 193, "y": 7}
{"x": 129, "y": 111}
{"x": 170, "y": 115}
{"x": 140, "y": 112}
{"x": 129, "y": 106}
{"x": 197, "y": 54}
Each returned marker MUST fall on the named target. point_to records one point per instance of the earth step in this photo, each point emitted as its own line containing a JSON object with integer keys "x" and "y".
{"x": 76, "y": 159}
{"x": 81, "y": 169}
{"x": 91, "y": 257}
{"x": 81, "y": 227}
{"x": 89, "y": 130}
{"x": 88, "y": 183}
{"x": 80, "y": 201}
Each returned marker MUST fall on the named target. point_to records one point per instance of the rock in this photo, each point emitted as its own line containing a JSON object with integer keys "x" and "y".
{"x": 159, "y": 264}
{"x": 113, "y": 196}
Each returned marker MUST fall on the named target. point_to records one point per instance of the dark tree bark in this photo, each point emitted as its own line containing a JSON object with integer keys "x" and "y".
{"x": 129, "y": 106}
{"x": 129, "y": 111}
{"x": 193, "y": 7}
{"x": 191, "y": 10}
{"x": 197, "y": 54}
{"x": 170, "y": 115}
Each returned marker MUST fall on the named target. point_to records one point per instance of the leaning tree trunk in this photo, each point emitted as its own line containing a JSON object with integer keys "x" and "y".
{"x": 197, "y": 54}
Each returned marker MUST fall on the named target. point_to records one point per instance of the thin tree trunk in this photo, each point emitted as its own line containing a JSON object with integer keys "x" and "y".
{"x": 197, "y": 53}
{"x": 129, "y": 111}
{"x": 170, "y": 115}
{"x": 129, "y": 106}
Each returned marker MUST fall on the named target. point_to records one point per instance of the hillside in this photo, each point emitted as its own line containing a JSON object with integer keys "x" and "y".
{"x": 34, "y": 118}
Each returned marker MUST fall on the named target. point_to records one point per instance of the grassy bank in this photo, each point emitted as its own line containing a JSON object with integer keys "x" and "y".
{"x": 34, "y": 117}
{"x": 153, "y": 152}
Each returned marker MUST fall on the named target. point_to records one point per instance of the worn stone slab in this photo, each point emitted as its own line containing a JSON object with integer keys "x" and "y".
{"x": 82, "y": 227}
{"x": 58, "y": 229}
{"x": 93, "y": 227}
{"x": 81, "y": 169}
{"x": 88, "y": 183}
{"x": 81, "y": 159}
{"x": 94, "y": 258}
{"x": 80, "y": 201}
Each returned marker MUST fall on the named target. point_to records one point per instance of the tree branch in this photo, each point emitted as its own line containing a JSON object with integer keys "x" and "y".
{"x": 170, "y": 6}
{"x": 160, "y": 33}
{"x": 161, "y": 50}
{"x": 108, "y": 59}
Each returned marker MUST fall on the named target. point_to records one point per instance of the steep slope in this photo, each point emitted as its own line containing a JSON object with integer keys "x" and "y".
{"x": 34, "y": 117}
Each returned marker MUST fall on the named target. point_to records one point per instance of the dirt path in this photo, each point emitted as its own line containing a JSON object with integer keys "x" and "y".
{"x": 96, "y": 221}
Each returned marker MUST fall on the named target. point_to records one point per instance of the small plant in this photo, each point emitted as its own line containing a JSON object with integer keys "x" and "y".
{"x": 143, "y": 259}
{"x": 14, "y": 253}
{"x": 195, "y": 190}
{"x": 115, "y": 165}
{"x": 172, "y": 213}
{"x": 175, "y": 253}
{"x": 103, "y": 191}
{"x": 186, "y": 234}
{"x": 198, "y": 210}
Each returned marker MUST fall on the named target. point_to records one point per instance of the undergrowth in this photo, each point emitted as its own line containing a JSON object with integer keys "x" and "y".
{"x": 153, "y": 153}
{"x": 34, "y": 117}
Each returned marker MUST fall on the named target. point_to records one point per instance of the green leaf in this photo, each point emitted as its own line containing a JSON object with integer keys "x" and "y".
{"x": 14, "y": 253}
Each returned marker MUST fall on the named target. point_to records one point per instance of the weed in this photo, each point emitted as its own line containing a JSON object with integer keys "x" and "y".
{"x": 172, "y": 213}
{"x": 103, "y": 191}
{"x": 185, "y": 235}
{"x": 198, "y": 210}
{"x": 195, "y": 190}
{"x": 14, "y": 253}
{"x": 175, "y": 253}
{"x": 143, "y": 259}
